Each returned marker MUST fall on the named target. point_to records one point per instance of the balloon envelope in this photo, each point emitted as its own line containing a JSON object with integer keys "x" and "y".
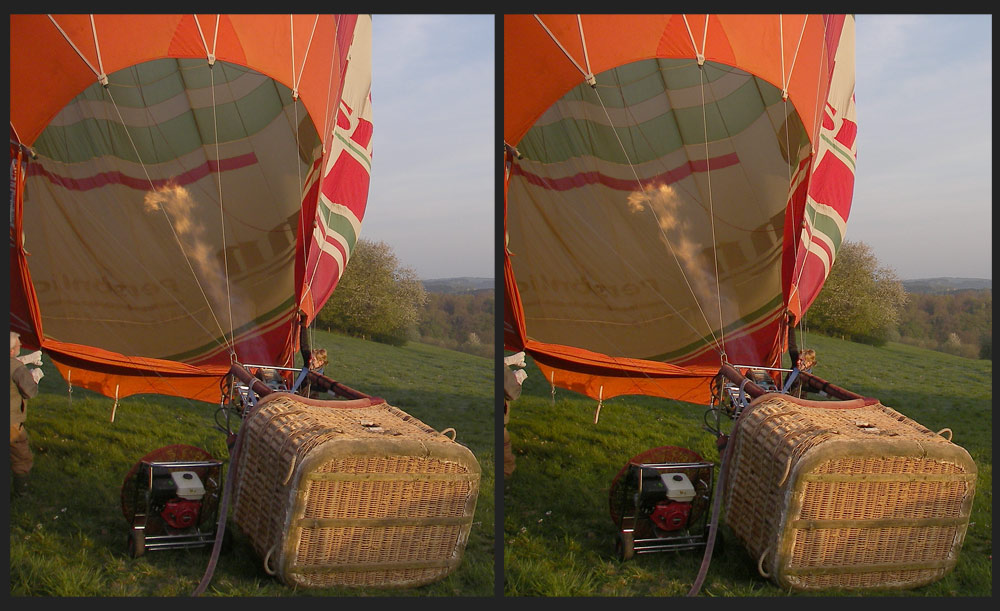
{"x": 185, "y": 184}
{"x": 674, "y": 185}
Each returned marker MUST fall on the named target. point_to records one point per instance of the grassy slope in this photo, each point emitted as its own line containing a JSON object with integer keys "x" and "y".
{"x": 557, "y": 531}
{"x": 69, "y": 537}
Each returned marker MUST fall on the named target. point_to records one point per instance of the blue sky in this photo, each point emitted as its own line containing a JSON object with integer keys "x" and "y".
{"x": 924, "y": 188}
{"x": 923, "y": 195}
{"x": 433, "y": 166}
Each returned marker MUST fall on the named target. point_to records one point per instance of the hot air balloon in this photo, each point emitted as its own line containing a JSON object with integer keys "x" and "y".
{"x": 675, "y": 187}
{"x": 186, "y": 191}
{"x": 676, "y": 190}
{"x": 182, "y": 186}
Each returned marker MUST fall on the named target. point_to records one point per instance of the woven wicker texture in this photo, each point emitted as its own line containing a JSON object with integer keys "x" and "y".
{"x": 360, "y": 496}
{"x": 853, "y": 497}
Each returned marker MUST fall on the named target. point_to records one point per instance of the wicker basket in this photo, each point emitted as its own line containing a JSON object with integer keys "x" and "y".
{"x": 352, "y": 493}
{"x": 846, "y": 494}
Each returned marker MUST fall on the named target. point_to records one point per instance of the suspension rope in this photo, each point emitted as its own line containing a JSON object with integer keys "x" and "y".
{"x": 784, "y": 325}
{"x": 298, "y": 144}
{"x": 330, "y": 117}
{"x": 97, "y": 47}
{"x": 659, "y": 226}
{"x": 711, "y": 203}
{"x": 103, "y": 78}
{"x": 329, "y": 127}
{"x": 589, "y": 76}
{"x": 209, "y": 52}
{"x": 809, "y": 233}
{"x": 210, "y": 55}
{"x": 787, "y": 78}
{"x": 315, "y": 268}
{"x": 170, "y": 224}
{"x": 298, "y": 79}
{"x": 222, "y": 209}
{"x": 326, "y": 137}
{"x": 699, "y": 55}
{"x": 586, "y": 74}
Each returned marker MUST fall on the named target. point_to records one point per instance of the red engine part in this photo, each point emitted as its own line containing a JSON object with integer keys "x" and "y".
{"x": 671, "y": 515}
{"x": 181, "y": 513}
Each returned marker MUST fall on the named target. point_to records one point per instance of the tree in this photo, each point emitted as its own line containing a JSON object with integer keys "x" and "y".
{"x": 376, "y": 297}
{"x": 460, "y": 321}
{"x": 860, "y": 299}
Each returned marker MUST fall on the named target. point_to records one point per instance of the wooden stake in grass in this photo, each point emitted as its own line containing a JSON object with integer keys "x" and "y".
{"x": 600, "y": 401}
{"x": 115, "y": 406}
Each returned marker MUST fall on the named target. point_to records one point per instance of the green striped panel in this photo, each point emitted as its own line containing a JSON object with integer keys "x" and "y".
{"x": 842, "y": 152}
{"x": 826, "y": 225}
{"x": 257, "y": 323}
{"x": 572, "y": 137}
{"x": 168, "y": 140}
{"x": 338, "y": 223}
{"x": 748, "y": 320}
{"x": 359, "y": 153}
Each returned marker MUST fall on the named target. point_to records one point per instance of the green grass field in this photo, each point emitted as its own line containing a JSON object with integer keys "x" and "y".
{"x": 68, "y": 537}
{"x": 558, "y": 535}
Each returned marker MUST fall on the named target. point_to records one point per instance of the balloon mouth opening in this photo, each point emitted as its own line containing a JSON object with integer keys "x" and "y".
{"x": 190, "y": 171}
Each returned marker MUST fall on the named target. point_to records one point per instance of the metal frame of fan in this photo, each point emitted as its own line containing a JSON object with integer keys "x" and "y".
{"x": 147, "y": 529}
{"x": 637, "y": 533}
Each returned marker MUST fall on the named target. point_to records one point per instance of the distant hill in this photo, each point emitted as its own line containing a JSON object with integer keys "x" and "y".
{"x": 946, "y": 285}
{"x": 458, "y": 285}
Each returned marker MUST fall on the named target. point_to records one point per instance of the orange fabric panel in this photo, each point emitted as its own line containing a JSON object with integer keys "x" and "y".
{"x": 199, "y": 388}
{"x": 688, "y": 389}
{"x": 587, "y": 372}
{"x": 261, "y": 42}
{"x": 122, "y": 375}
{"x": 537, "y": 72}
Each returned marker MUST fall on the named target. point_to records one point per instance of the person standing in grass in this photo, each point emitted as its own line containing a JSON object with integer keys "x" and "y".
{"x": 23, "y": 386}
{"x": 512, "y": 381}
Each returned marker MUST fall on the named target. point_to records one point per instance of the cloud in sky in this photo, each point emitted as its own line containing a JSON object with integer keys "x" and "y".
{"x": 923, "y": 196}
{"x": 433, "y": 103}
